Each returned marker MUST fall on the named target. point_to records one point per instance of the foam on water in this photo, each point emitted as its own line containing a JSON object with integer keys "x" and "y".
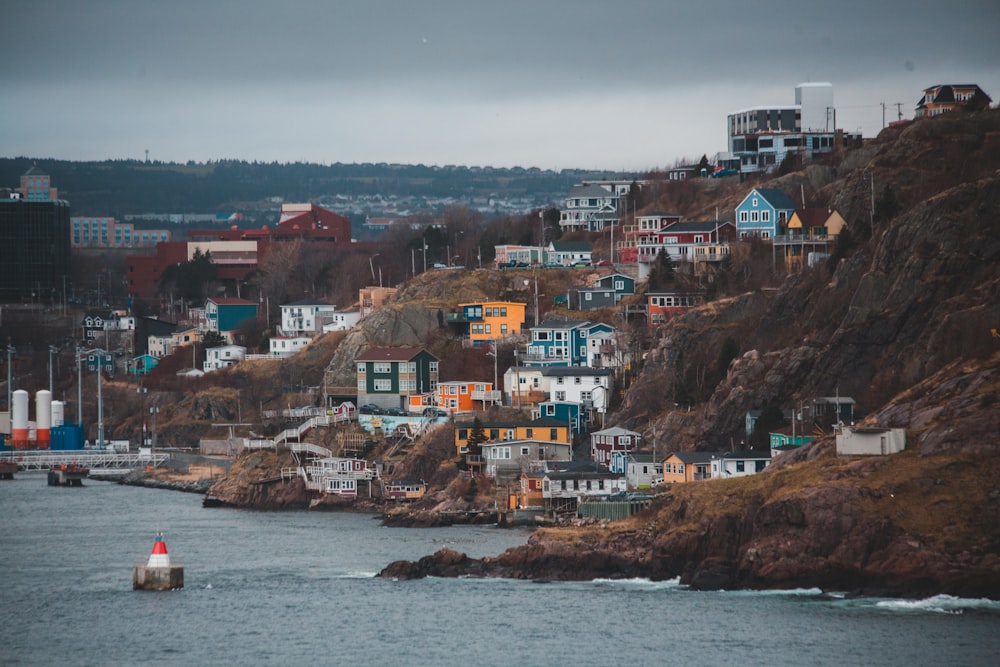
{"x": 940, "y": 604}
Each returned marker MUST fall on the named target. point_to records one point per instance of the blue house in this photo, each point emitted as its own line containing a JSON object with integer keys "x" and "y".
{"x": 565, "y": 342}
{"x": 568, "y": 413}
{"x": 591, "y": 298}
{"x": 142, "y": 364}
{"x": 226, "y": 315}
{"x": 763, "y": 213}
{"x": 622, "y": 285}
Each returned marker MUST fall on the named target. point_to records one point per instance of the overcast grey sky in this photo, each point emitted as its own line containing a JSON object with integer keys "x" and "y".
{"x": 624, "y": 85}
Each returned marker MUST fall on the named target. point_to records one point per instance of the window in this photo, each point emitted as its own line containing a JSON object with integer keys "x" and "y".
{"x": 753, "y": 216}
{"x": 524, "y": 451}
{"x": 553, "y": 434}
{"x": 765, "y": 216}
{"x": 383, "y": 385}
{"x": 587, "y": 296}
{"x": 362, "y": 367}
{"x": 741, "y": 466}
{"x": 383, "y": 368}
{"x": 433, "y": 367}
{"x": 361, "y": 386}
{"x": 743, "y": 216}
{"x": 529, "y": 433}
{"x": 600, "y": 484}
{"x": 560, "y": 395}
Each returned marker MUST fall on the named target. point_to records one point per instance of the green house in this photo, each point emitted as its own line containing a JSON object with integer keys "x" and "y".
{"x": 388, "y": 375}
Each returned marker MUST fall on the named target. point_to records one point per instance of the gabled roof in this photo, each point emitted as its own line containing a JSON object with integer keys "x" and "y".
{"x": 308, "y": 302}
{"x": 749, "y": 455}
{"x": 534, "y": 423}
{"x": 644, "y": 457}
{"x": 615, "y": 431}
{"x": 695, "y": 457}
{"x": 230, "y": 301}
{"x": 560, "y": 324}
{"x": 570, "y": 246}
{"x": 773, "y": 196}
{"x": 570, "y": 371}
{"x": 35, "y": 171}
{"x": 590, "y": 190}
{"x": 812, "y": 217}
{"x": 582, "y": 474}
{"x": 693, "y": 226}
{"x": 391, "y": 354}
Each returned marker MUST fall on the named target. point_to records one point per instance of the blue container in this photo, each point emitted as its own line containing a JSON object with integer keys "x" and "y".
{"x": 66, "y": 437}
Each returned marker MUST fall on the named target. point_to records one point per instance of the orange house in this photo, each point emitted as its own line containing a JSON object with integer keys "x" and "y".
{"x": 688, "y": 466}
{"x": 464, "y": 396}
{"x": 544, "y": 429}
{"x": 531, "y": 489}
{"x": 490, "y": 320}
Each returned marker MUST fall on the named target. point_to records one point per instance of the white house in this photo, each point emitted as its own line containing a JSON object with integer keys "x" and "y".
{"x": 641, "y": 469}
{"x": 739, "y": 464}
{"x": 287, "y": 346}
{"x": 577, "y": 485}
{"x": 870, "y": 441}
{"x": 305, "y": 317}
{"x": 223, "y": 357}
{"x": 590, "y": 387}
{"x": 517, "y": 456}
{"x": 163, "y": 346}
{"x": 342, "y": 321}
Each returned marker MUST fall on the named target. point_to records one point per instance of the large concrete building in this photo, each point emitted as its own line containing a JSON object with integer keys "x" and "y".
{"x": 34, "y": 241}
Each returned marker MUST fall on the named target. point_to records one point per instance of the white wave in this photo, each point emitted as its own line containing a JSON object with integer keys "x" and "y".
{"x": 807, "y": 592}
{"x": 941, "y": 604}
{"x": 643, "y": 583}
{"x": 357, "y": 575}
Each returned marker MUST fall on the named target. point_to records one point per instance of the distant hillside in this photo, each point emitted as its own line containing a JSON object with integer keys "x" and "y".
{"x": 122, "y": 187}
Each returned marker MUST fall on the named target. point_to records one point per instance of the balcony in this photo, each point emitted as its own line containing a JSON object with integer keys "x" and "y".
{"x": 489, "y": 396}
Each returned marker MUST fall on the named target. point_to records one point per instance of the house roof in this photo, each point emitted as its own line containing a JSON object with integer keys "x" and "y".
{"x": 615, "y": 431}
{"x": 391, "y": 354}
{"x": 540, "y": 422}
{"x": 308, "y": 302}
{"x": 644, "y": 457}
{"x": 582, "y": 474}
{"x": 571, "y": 371}
{"x": 690, "y": 226}
{"x": 695, "y": 457}
{"x": 35, "y": 171}
{"x": 230, "y": 301}
{"x": 747, "y": 455}
{"x": 590, "y": 190}
{"x": 775, "y": 197}
{"x": 560, "y": 324}
{"x": 813, "y": 217}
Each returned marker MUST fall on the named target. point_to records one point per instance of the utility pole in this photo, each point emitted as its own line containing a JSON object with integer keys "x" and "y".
{"x": 883, "y": 114}
{"x": 52, "y": 350}
{"x": 79, "y": 386}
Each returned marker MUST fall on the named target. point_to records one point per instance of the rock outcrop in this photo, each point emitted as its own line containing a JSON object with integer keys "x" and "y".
{"x": 255, "y": 481}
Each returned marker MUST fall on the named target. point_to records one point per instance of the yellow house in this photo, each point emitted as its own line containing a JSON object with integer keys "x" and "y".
{"x": 490, "y": 320}
{"x": 544, "y": 429}
{"x": 810, "y": 231}
{"x": 688, "y": 466}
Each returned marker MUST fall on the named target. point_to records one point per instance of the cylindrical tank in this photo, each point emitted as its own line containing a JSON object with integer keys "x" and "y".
{"x": 19, "y": 419}
{"x": 58, "y": 413}
{"x": 43, "y": 418}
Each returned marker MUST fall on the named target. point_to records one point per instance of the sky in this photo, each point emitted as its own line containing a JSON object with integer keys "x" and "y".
{"x": 630, "y": 85}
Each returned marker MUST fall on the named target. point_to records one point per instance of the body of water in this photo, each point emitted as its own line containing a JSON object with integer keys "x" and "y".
{"x": 298, "y": 588}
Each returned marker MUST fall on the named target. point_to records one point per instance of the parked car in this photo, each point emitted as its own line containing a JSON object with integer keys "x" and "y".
{"x": 604, "y": 262}
{"x": 371, "y": 409}
{"x": 395, "y": 412}
{"x": 433, "y": 413}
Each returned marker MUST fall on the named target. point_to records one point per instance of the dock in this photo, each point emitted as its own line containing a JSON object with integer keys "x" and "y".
{"x": 69, "y": 474}
{"x": 107, "y": 463}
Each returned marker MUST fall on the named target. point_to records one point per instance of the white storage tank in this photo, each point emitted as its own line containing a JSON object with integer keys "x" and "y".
{"x": 19, "y": 419}
{"x": 43, "y": 417}
{"x": 58, "y": 413}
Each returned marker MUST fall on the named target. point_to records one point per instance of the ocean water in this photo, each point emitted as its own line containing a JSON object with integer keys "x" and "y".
{"x": 298, "y": 588}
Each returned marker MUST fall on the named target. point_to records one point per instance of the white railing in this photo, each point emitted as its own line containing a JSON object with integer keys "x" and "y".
{"x": 106, "y": 460}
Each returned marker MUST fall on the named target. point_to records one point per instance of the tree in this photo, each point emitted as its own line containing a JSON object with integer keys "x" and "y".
{"x": 191, "y": 278}
{"x": 886, "y": 206}
{"x": 213, "y": 339}
{"x": 704, "y": 168}
{"x": 661, "y": 273}
{"x": 770, "y": 419}
{"x": 477, "y": 436}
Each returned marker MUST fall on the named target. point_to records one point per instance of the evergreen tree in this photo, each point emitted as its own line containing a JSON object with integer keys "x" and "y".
{"x": 661, "y": 273}
{"x": 477, "y": 436}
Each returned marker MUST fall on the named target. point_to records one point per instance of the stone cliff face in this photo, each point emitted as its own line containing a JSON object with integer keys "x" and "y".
{"x": 254, "y": 482}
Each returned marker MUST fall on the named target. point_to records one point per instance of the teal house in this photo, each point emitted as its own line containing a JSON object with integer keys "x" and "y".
{"x": 226, "y": 315}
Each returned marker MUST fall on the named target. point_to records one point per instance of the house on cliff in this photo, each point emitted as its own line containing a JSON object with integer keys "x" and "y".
{"x": 870, "y": 441}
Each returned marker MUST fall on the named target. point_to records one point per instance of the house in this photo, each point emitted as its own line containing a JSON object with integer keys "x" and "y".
{"x": 142, "y": 364}
{"x": 761, "y": 137}
{"x": 604, "y": 444}
{"x": 403, "y": 489}
{"x": 465, "y": 396}
{"x": 373, "y": 299}
{"x": 828, "y": 411}
{"x": 555, "y": 342}
{"x": 688, "y": 466}
{"x": 514, "y": 256}
{"x": 784, "y": 437}
{"x": 622, "y": 284}
{"x": 808, "y": 237}
{"x": 739, "y": 464}
{"x": 305, "y": 317}
{"x": 342, "y": 320}
{"x": 698, "y": 243}
{"x": 483, "y": 322}
{"x": 870, "y": 441}
{"x": 531, "y": 489}
{"x": 563, "y": 490}
{"x": 641, "y": 469}
{"x": 570, "y": 413}
{"x": 107, "y": 327}
{"x": 288, "y": 346}
{"x": 942, "y": 98}
{"x": 644, "y": 231}
{"x": 226, "y": 315}
{"x": 763, "y": 213}
{"x": 506, "y": 457}
{"x": 223, "y": 357}
{"x": 590, "y": 298}
{"x": 541, "y": 430}
{"x": 589, "y": 387}
{"x": 590, "y": 207}
{"x": 388, "y": 375}
{"x": 524, "y": 386}
{"x": 339, "y": 476}
{"x": 164, "y": 345}
{"x": 664, "y": 305}
{"x": 568, "y": 253}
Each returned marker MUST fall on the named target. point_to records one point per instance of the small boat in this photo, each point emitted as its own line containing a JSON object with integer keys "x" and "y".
{"x": 67, "y": 474}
